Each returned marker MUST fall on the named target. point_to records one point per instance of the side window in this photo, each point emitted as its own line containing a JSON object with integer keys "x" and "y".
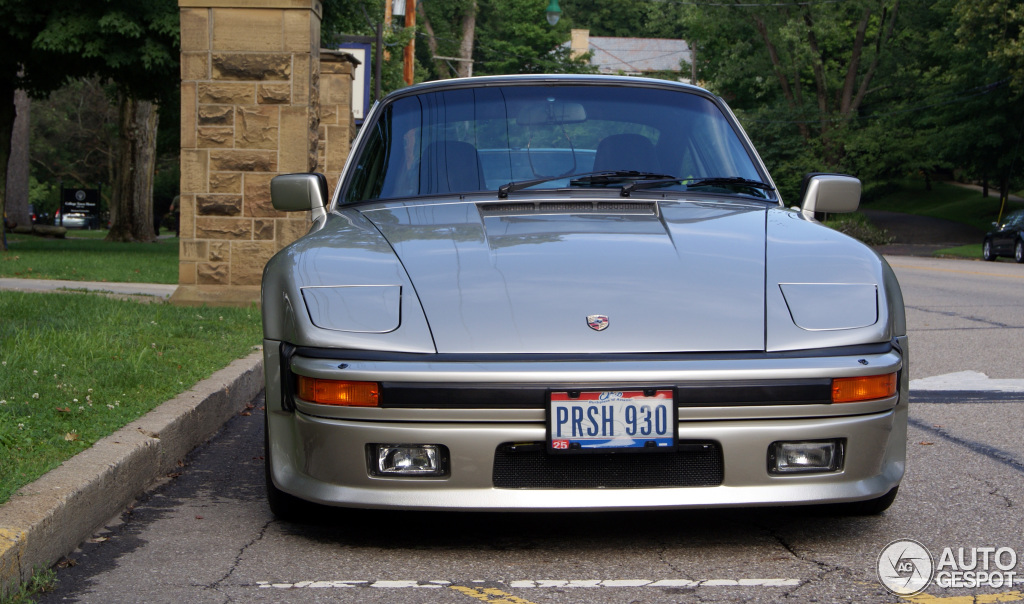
{"x": 369, "y": 172}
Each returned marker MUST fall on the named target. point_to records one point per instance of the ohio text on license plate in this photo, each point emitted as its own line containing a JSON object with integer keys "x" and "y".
{"x": 611, "y": 420}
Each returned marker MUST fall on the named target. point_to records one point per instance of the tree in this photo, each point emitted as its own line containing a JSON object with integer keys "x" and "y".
{"x": 25, "y": 67}
{"x": 984, "y": 52}
{"x": 135, "y": 43}
{"x": 18, "y": 163}
{"x": 514, "y": 37}
{"x": 74, "y": 134}
{"x": 801, "y": 75}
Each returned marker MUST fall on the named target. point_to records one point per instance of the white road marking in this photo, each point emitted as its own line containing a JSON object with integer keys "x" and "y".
{"x": 966, "y": 380}
{"x": 540, "y": 583}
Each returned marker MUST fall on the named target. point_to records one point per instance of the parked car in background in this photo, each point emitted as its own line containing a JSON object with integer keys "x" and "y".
{"x": 575, "y": 293}
{"x": 1007, "y": 239}
{"x": 72, "y": 220}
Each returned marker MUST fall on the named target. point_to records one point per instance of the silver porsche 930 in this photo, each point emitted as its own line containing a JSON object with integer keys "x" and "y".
{"x": 575, "y": 293}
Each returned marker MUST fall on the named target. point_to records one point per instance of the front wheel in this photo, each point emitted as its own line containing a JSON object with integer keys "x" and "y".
{"x": 1018, "y": 252}
{"x": 986, "y": 251}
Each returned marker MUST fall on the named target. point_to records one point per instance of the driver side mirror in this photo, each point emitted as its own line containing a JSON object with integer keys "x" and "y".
{"x": 299, "y": 193}
{"x": 829, "y": 194}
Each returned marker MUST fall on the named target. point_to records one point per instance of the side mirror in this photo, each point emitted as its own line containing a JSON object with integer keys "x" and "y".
{"x": 829, "y": 193}
{"x": 299, "y": 193}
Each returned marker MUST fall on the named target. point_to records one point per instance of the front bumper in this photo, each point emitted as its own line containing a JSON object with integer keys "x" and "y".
{"x": 320, "y": 454}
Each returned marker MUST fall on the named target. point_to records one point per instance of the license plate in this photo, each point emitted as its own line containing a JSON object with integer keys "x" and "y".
{"x": 611, "y": 420}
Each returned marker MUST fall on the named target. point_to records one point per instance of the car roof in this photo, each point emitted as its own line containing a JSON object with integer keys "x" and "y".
{"x": 543, "y": 79}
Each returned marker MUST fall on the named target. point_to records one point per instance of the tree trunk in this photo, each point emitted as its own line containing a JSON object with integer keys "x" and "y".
{"x": 132, "y": 204}
{"x": 16, "y": 195}
{"x": 773, "y": 54}
{"x": 465, "y": 67}
{"x": 7, "y": 114}
{"x": 439, "y": 65}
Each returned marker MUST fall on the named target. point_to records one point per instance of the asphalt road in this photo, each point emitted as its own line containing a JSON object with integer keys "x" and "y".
{"x": 207, "y": 535}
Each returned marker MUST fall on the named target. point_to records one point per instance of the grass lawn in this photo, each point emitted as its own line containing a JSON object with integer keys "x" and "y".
{"x": 970, "y": 252}
{"x": 84, "y": 256}
{"x": 76, "y": 367}
{"x": 943, "y": 201}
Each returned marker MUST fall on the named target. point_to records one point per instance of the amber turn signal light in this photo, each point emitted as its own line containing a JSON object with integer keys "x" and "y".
{"x": 339, "y": 392}
{"x": 853, "y": 389}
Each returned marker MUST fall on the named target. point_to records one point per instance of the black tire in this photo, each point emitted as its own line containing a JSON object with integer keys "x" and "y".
{"x": 283, "y": 505}
{"x": 1018, "y": 252}
{"x": 871, "y": 507}
{"x": 986, "y": 251}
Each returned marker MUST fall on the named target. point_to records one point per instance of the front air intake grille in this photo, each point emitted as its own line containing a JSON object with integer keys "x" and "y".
{"x": 568, "y": 207}
{"x": 695, "y": 464}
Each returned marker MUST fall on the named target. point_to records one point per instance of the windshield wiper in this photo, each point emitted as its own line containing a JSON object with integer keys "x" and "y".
{"x": 695, "y": 182}
{"x": 594, "y": 178}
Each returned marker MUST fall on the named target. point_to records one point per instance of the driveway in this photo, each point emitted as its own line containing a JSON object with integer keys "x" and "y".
{"x": 921, "y": 235}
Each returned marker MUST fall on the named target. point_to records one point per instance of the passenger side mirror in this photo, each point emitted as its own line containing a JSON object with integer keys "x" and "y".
{"x": 299, "y": 193}
{"x": 829, "y": 193}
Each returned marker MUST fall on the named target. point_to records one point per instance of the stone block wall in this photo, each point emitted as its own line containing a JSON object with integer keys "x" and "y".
{"x": 250, "y": 85}
{"x": 337, "y": 126}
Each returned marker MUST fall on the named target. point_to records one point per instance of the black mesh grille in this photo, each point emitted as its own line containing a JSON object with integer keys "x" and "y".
{"x": 695, "y": 464}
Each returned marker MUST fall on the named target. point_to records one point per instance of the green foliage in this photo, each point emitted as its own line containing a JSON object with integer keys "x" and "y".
{"x": 43, "y": 580}
{"x": 932, "y": 85}
{"x": 856, "y": 225}
{"x": 76, "y": 367}
{"x": 74, "y": 135}
{"x": 623, "y": 19}
{"x": 513, "y": 36}
{"x": 135, "y": 42}
{"x": 44, "y": 196}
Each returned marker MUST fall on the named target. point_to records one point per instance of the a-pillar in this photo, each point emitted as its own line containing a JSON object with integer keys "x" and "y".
{"x": 249, "y": 111}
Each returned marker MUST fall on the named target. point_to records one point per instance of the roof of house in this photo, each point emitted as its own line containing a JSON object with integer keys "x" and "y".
{"x": 637, "y": 55}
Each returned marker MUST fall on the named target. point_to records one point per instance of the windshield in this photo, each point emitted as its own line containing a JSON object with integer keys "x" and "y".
{"x": 482, "y": 139}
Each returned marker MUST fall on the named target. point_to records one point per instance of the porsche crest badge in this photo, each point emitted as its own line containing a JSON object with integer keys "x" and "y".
{"x": 597, "y": 322}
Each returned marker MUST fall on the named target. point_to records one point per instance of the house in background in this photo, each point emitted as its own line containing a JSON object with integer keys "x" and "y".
{"x": 634, "y": 56}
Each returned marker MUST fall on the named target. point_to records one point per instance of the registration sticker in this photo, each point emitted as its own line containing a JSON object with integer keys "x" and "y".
{"x": 611, "y": 420}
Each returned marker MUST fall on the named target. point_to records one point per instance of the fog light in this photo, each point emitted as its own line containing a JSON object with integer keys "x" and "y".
{"x": 806, "y": 456}
{"x": 408, "y": 460}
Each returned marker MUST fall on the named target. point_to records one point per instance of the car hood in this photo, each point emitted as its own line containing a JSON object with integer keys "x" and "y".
{"x": 529, "y": 277}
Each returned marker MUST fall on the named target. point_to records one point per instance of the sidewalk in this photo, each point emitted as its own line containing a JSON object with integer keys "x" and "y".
{"x": 159, "y": 290}
{"x": 48, "y": 519}
{"x": 992, "y": 191}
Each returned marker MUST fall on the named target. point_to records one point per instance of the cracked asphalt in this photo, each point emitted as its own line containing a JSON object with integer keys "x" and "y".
{"x": 206, "y": 534}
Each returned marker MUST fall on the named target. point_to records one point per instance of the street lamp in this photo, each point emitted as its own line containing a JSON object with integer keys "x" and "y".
{"x": 553, "y": 13}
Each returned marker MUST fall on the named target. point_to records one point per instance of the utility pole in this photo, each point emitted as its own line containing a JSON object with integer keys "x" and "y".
{"x": 409, "y": 63}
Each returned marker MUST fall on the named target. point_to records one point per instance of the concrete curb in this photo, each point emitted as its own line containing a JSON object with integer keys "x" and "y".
{"x": 49, "y": 518}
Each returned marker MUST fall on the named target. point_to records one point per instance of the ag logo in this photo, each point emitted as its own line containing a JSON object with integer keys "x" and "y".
{"x": 905, "y": 567}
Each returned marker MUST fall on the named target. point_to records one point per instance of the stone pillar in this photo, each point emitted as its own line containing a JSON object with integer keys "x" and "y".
{"x": 249, "y": 111}
{"x": 337, "y": 126}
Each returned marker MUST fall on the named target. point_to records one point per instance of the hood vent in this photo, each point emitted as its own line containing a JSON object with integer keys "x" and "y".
{"x": 568, "y": 207}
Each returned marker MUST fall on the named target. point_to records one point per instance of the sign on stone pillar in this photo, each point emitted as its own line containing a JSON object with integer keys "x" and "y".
{"x": 250, "y": 77}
